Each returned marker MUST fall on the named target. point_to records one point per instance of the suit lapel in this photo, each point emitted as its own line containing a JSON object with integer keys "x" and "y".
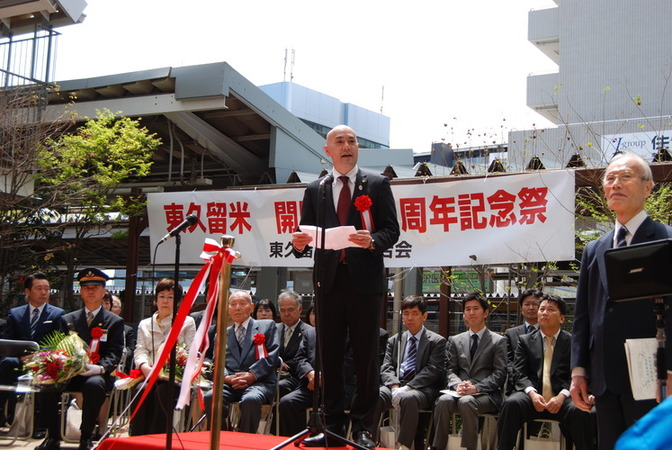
{"x": 422, "y": 349}
{"x": 361, "y": 188}
{"x": 252, "y": 329}
{"x": 604, "y": 244}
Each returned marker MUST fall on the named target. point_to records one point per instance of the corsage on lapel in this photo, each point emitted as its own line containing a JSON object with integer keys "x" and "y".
{"x": 96, "y": 334}
{"x": 259, "y": 346}
{"x": 363, "y": 204}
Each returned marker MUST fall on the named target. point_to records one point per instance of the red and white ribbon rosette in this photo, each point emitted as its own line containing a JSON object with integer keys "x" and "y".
{"x": 96, "y": 334}
{"x": 259, "y": 348}
{"x": 363, "y": 204}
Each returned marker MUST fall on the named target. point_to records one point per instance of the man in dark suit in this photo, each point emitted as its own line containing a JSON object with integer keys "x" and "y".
{"x": 601, "y": 326}
{"x": 413, "y": 371}
{"x": 475, "y": 370}
{"x": 541, "y": 389}
{"x": 98, "y": 379}
{"x": 290, "y": 334}
{"x": 353, "y": 280}
{"x": 30, "y": 322}
{"x": 250, "y": 376}
{"x": 293, "y": 406}
{"x": 528, "y": 301}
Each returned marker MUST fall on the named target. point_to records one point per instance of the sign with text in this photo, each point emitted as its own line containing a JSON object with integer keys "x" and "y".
{"x": 644, "y": 143}
{"x": 492, "y": 220}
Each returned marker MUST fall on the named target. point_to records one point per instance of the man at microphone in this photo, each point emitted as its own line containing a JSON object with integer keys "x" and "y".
{"x": 354, "y": 283}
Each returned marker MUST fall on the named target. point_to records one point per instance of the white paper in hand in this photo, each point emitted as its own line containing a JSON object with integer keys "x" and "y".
{"x": 334, "y": 238}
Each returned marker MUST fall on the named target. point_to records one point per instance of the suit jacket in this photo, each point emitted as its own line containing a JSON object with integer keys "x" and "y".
{"x": 512, "y": 335}
{"x": 18, "y": 323}
{"x": 366, "y": 267}
{"x": 529, "y": 362}
{"x": 601, "y": 326}
{"x": 289, "y": 352}
{"x": 487, "y": 371}
{"x": 244, "y": 359}
{"x": 306, "y": 354}
{"x": 430, "y": 362}
{"x": 111, "y": 344}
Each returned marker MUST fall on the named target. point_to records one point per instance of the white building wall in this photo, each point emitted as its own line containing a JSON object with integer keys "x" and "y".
{"x": 613, "y": 55}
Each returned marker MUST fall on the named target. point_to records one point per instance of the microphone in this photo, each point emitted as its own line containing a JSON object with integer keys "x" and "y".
{"x": 189, "y": 221}
{"x": 327, "y": 180}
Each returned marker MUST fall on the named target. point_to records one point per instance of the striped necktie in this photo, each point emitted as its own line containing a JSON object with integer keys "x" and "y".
{"x": 240, "y": 335}
{"x": 33, "y": 321}
{"x": 620, "y": 237}
{"x": 89, "y": 318}
{"x": 408, "y": 366}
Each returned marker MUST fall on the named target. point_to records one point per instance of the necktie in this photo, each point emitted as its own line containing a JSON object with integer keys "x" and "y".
{"x": 344, "y": 200}
{"x": 620, "y": 237}
{"x": 33, "y": 321}
{"x": 408, "y": 366}
{"x": 288, "y": 335}
{"x": 474, "y": 345}
{"x": 89, "y": 318}
{"x": 531, "y": 329}
{"x": 547, "y": 389}
{"x": 240, "y": 335}
{"x": 343, "y": 208}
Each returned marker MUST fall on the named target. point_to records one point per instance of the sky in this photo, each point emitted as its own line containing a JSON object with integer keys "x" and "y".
{"x": 452, "y": 71}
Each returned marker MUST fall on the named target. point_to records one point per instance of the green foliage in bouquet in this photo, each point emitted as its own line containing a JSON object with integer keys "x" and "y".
{"x": 61, "y": 357}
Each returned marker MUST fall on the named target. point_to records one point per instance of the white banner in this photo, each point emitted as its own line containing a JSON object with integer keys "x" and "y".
{"x": 493, "y": 220}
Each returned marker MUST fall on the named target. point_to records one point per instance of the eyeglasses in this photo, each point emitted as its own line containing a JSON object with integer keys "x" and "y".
{"x": 624, "y": 177}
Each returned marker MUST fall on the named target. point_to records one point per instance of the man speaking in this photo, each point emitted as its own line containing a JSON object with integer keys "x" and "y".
{"x": 354, "y": 281}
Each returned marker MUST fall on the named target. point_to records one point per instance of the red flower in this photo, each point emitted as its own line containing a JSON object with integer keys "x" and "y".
{"x": 363, "y": 203}
{"x": 52, "y": 369}
{"x": 94, "y": 358}
{"x": 96, "y": 333}
{"x": 259, "y": 339}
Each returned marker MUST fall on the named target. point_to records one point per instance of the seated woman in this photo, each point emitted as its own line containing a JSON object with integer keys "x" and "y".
{"x": 264, "y": 309}
{"x": 152, "y": 333}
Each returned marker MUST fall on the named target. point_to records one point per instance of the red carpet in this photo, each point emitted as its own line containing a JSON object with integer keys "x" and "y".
{"x": 199, "y": 440}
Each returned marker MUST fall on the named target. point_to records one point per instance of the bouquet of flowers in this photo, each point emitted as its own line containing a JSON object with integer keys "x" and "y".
{"x": 61, "y": 357}
{"x": 181, "y": 354}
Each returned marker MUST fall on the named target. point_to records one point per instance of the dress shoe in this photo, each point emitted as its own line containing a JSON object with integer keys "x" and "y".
{"x": 85, "y": 443}
{"x": 39, "y": 433}
{"x": 320, "y": 440}
{"x": 49, "y": 444}
{"x": 364, "y": 439}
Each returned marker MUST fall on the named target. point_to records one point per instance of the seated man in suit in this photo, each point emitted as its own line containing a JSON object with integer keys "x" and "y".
{"x": 528, "y": 302}
{"x": 290, "y": 334}
{"x": 413, "y": 371}
{"x": 249, "y": 379}
{"x": 542, "y": 368}
{"x": 30, "y": 322}
{"x": 475, "y": 370}
{"x": 98, "y": 379}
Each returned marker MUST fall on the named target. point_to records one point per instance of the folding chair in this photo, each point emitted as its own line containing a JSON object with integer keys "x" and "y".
{"x": 22, "y": 425}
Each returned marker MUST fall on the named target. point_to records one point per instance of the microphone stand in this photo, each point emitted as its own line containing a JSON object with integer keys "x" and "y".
{"x": 177, "y": 297}
{"x": 316, "y": 420}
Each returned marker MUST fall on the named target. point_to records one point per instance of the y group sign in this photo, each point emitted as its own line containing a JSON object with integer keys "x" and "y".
{"x": 492, "y": 220}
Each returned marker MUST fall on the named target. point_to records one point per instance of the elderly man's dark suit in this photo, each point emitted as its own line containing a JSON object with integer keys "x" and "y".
{"x": 351, "y": 298}
{"x": 93, "y": 388}
{"x": 289, "y": 354}
{"x": 424, "y": 385}
{"x": 18, "y": 328}
{"x": 245, "y": 360}
{"x": 487, "y": 371}
{"x": 528, "y": 367}
{"x": 601, "y": 327}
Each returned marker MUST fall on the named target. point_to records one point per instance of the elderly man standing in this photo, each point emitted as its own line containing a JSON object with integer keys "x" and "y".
{"x": 601, "y": 326}
{"x": 250, "y": 376}
{"x": 354, "y": 282}
{"x": 98, "y": 378}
